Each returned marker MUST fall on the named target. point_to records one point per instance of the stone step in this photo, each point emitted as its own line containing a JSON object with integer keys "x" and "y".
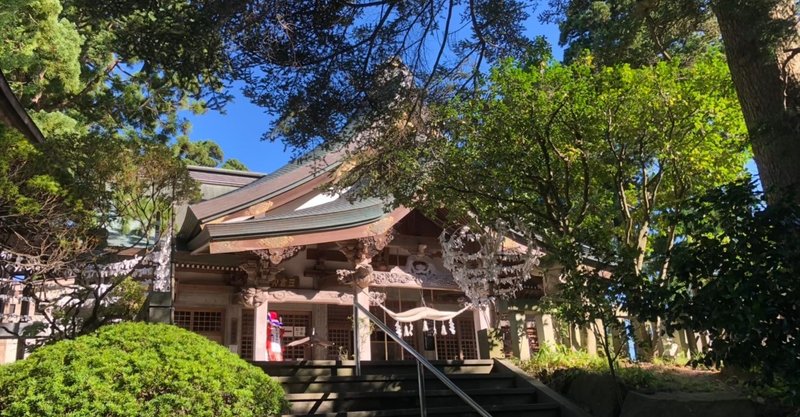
{"x": 347, "y": 368}
{"x": 388, "y": 383}
{"x": 326, "y": 402}
{"x": 514, "y": 410}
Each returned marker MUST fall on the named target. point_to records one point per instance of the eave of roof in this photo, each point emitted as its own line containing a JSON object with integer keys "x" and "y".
{"x": 225, "y": 177}
{"x": 243, "y": 244}
{"x": 287, "y": 178}
{"x": 12, "y": 112}
{"x": 338, "y": 214}
{"x": 335, "y": 215}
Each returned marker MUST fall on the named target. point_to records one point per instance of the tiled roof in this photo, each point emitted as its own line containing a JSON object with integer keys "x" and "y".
{"x": 337, "y": 214}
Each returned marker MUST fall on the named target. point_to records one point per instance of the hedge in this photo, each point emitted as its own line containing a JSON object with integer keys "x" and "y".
{"x": 137, "y": 369}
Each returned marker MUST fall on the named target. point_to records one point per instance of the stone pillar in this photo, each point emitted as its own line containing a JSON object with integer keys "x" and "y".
{"x": 319, "y": 325}
{"x": 590, "y": 339}
{"x": 545, "y": 330}
{"x": 519, "y": 339}
{"x": 576, "y": 335}
{"x": 261, "y": 321}
{"x": 160, "y": 307}
{"x": 233, "y": 330}
{"x": 486, "y": 342}
{"x": 364, "y": 327}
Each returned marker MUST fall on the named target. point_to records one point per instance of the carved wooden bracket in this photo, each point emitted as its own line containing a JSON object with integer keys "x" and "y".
{"x": 251, "y": 269}
{"x": 362, "y": 250}
{"x": 377, "y": 298}
{"x": 361, "y": 277}
{"x": 272, "y": 257}
{"x": 251, "y": 297}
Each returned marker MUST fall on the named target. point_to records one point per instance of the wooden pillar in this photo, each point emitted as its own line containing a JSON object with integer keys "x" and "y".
{"x": 319, "y": 324}
{"x": 360, "y": 253}
{"x": 261, "y": 321}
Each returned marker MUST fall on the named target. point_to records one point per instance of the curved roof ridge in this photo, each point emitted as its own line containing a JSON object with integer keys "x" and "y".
{"x": 368, "y": 212}
{"x": 294, "y": 173}
{"x": 339, "y": 205}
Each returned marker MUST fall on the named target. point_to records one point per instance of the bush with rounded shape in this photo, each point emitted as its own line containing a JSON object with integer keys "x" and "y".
{"x": 137, "y": 369}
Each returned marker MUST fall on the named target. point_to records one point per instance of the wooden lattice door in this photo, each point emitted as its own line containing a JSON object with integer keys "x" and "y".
{"x": 204, "y": 322}
{"x": 246, "y": 343}
{"x": 459, "y": 346}
{"x": 340, "y": 331}
{"x": 295, "y": 320}
{"x": 383, "y": 346}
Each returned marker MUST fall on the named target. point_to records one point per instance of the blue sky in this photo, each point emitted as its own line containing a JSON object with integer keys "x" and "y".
{"x": 239, "y": 130}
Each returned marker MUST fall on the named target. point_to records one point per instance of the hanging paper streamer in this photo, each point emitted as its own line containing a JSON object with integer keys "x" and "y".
{"x": 409, "y": 330}
{"x": 398, "y": 328}
{"x": 444, "y": 330}
{"x": 425, "y": 326}
{"x": 452, "y": 327}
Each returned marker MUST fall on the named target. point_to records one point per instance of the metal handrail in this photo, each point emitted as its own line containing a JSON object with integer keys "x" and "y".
{"x": 421, "y": 363}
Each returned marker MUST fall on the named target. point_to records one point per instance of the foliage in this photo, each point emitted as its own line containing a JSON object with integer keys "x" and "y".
{"x": 234, "y": 164}
{"x": 315, "y": 64}
{"x": 320, "y": 66}
{"x": 634, "y": 32}
{"x": 551, "y": 358}
{"x": 205, "y": 153}
{"x": 737, "y": 252}
{"x": 101, "y": 108}
{"x": 591, "y": 158}
{"x": 643, "y": 33}
{"x": 137, "y": 369}
{"x": 760, "y": 39}
{"x": 558, "y": 365}
{"x": 106, "y": 89}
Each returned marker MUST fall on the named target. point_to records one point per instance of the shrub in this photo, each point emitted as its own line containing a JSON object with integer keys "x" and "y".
{"x": 137, "y": 369}
{"x": 551, "y": 358}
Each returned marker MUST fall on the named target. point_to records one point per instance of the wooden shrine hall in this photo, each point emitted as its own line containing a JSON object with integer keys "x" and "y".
{"x": 258, "y": 243}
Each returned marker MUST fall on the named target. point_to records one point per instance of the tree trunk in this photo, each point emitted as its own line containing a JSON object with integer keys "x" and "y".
{"x": 759, "y": 40}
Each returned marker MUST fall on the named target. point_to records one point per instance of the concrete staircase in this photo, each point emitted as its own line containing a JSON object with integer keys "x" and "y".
{"x": 330, "y": 388}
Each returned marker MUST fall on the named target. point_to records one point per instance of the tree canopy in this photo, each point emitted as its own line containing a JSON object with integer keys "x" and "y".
{"x": 740, "y": 252}
{"x": 205, "y": 153}
{"x": 594, "y": 159}
{"x": 760, "y": 39}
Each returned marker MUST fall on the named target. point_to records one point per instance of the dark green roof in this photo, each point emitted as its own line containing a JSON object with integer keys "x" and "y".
{"x": 338, "y": 214}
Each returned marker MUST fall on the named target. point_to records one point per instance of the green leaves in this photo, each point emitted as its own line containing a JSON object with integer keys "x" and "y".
{"x": 573, "y": 146}
{"x": 204, "y": 153}
{"x": 40, "y": 50}
{"x": 137, "y": 369}
{"x": 738, "y": 252}
{"x": 594, "y": 159}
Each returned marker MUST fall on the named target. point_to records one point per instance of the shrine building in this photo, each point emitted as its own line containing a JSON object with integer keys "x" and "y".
{"x": 258, "y": 243}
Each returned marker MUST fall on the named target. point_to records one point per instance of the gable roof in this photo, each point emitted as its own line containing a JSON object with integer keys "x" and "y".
{"x": 311, "y": 170}
{"x": 284, "y": 209}
{"x": 223, "y": 177}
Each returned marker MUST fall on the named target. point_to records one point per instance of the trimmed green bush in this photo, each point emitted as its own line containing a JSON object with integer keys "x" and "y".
{"x": 137, "y": 369}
